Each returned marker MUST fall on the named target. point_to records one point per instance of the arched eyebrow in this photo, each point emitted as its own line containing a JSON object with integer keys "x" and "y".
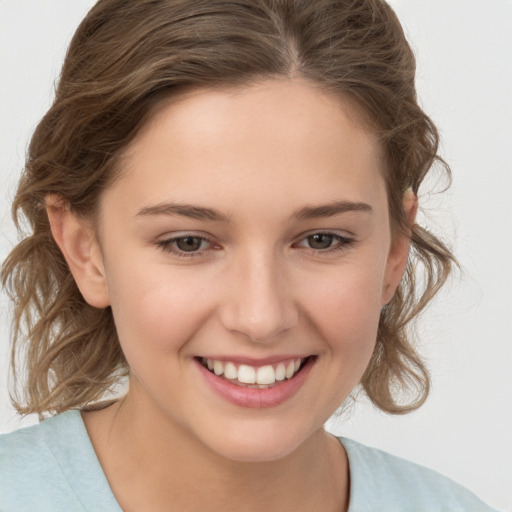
{"x": 185, "y": 210}
{"x": 329, "y": 210}
{"x": 212, "y": 214}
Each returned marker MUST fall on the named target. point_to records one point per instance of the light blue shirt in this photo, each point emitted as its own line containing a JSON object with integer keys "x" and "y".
{"x": 52, "y": 467}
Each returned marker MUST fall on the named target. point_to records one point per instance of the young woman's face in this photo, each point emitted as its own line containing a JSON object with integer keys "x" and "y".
{"x": 250, "y": 230}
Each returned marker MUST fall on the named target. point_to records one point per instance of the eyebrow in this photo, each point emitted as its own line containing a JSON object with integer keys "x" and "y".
{"x": 184, "y": 210}
{"x": 330, "y": 210}
{"x": 212, "y": 214}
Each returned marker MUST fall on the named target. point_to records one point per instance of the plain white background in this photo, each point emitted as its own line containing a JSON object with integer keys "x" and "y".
{"x": 464, "y": 52}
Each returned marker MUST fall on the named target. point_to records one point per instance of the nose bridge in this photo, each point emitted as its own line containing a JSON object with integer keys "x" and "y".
{"x": 259, "y": 302}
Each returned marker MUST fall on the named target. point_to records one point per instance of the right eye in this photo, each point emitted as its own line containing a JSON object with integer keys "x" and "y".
{"x": 185, "y": 246}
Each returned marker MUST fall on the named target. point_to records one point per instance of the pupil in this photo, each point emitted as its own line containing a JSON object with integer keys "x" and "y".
{"x": 320, "y": 241}
{"x": 188, "y": 243}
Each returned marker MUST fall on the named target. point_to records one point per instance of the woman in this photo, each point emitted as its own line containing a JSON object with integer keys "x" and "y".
{"x": 223, "y": 202}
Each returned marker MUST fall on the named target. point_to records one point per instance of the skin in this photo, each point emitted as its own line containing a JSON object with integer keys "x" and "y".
{"x": 257, "y": 288}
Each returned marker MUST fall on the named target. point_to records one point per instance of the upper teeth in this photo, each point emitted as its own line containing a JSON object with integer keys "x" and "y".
{"x": 246, "y": 374}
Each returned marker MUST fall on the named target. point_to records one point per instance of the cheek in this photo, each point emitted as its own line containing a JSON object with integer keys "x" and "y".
{"x": 345, "y": 308}
{"x": 156, "y": 309}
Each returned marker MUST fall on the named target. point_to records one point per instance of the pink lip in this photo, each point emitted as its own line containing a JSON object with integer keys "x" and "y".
{"x": 253, "y": 397}
{"x": 257, "y": 362}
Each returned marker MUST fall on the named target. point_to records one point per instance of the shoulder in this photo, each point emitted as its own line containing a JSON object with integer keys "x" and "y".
{"x": 43, "y": 467}
{"x": 24, "y": 440}
{"x": 381, "y": 481}
{"x": 35, "y": 449}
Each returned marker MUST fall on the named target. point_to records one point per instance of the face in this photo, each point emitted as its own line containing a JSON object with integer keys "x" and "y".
{"x": 248, "y": 232}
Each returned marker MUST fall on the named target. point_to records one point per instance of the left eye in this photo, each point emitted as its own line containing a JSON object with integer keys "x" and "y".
{"x": 323, "y": 241}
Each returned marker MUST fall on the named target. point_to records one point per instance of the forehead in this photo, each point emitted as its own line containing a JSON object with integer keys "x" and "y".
{"x": 263, "y": 141}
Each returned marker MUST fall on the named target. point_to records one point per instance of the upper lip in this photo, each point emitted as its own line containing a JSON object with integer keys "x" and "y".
{"x": 256, "y": 362}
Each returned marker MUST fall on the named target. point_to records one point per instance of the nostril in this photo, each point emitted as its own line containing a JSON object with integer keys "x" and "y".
{"x": 259, "y": 309}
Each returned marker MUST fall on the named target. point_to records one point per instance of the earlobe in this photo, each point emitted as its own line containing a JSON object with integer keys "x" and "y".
{"x": 399, "y": 251}
{"x": 79, "y": 246}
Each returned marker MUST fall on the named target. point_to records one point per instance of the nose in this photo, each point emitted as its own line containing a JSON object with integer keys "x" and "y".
{"x": 258, "y": 299}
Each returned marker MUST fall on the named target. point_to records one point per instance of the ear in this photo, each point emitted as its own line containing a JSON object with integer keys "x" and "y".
{"x": 77, "y": 242}
{"x": 399, "y": 251}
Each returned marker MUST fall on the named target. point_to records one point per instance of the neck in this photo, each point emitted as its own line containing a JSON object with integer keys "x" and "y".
{"x": 150, "y": 462}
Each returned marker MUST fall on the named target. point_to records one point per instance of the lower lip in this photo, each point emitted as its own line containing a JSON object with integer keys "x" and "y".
{"x": 257, "y": 398}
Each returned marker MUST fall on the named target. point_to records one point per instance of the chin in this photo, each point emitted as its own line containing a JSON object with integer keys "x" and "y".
{"x": 253, "y": 452}
{"x": 258, "y": 445}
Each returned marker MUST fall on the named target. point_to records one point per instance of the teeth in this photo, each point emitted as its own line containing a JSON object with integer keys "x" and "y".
{"x": 230, "y": 371}
{"x": 218, "y": 367}
{"x": 290, "y": 370}
{"x": 262, "y": 376}
{"x": 247, "y": 374}
{"x": 280, "y": 371}
{"x": 265, "y": 375}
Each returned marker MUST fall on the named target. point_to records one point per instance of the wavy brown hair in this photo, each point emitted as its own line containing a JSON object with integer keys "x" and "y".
{"x": 125, "y": 59}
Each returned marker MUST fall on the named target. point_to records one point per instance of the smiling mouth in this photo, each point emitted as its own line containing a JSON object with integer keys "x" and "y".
{"x": 261, "y": 377}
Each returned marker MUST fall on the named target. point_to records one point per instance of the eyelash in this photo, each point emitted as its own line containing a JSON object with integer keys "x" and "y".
{"x": 342, "y": 243}
{"x": 167, "y": 246}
